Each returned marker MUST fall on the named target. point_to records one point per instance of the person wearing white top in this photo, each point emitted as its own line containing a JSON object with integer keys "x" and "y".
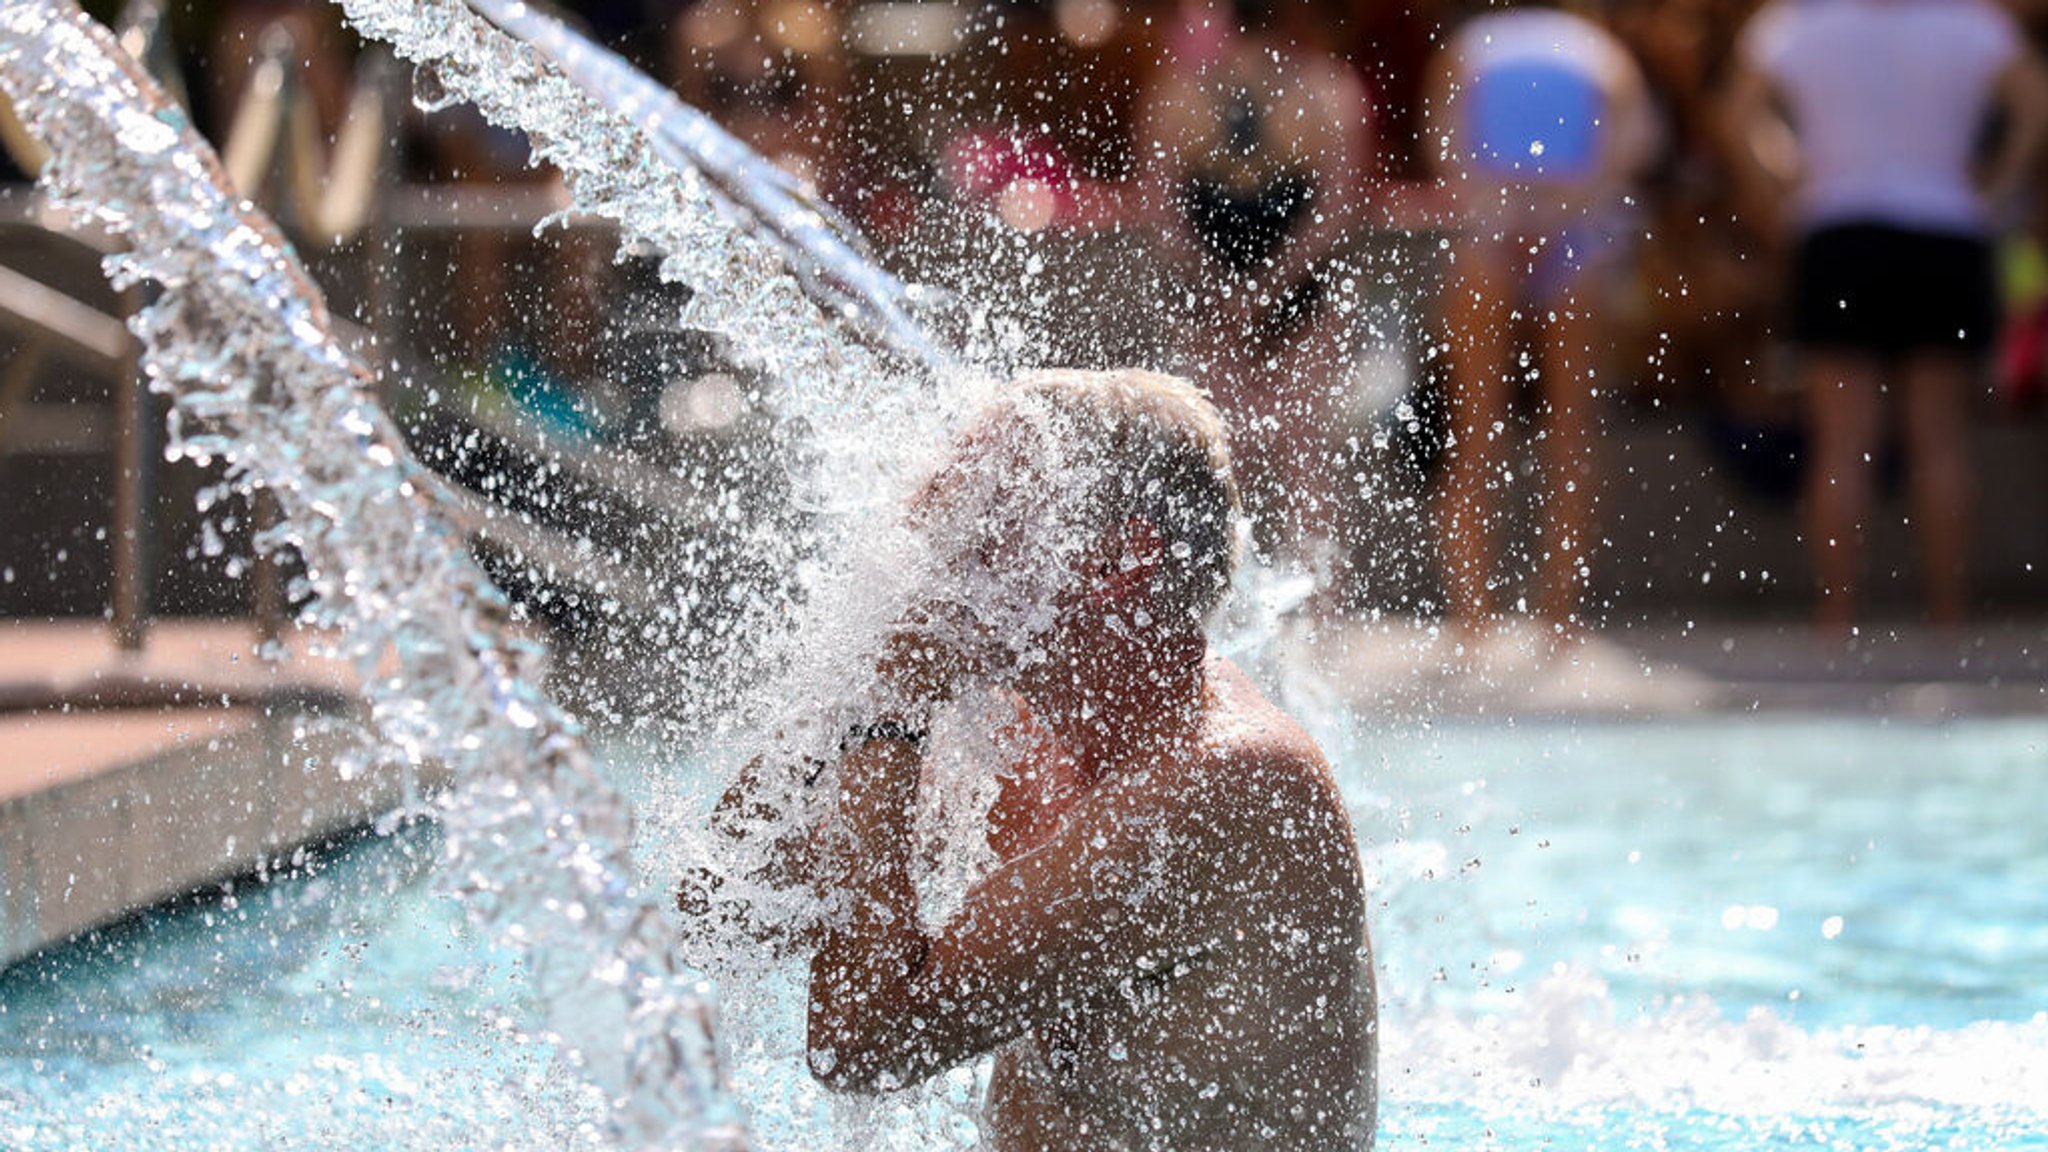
{"x": 1540, "y": 123}
{"x": 1868, "y": 120}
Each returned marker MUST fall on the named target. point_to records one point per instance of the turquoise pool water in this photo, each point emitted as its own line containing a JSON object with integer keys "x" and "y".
{"x": 1758, "y": 933}
{"x": 1730, "y": 933}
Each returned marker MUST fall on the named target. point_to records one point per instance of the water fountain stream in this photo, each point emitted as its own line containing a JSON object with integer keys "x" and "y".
{"x": 1557, "y": 1014}
{"x": 239, "y": 338}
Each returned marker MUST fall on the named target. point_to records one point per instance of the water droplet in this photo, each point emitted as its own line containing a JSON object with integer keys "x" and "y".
{"x": 430, "y": 91}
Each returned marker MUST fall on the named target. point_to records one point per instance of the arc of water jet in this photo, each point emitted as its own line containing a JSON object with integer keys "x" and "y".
{"x": 821, "y": 247}
{"x": 856, "y": 421}
{"x": 241, "y": 341}
{"x": 630, "y": 152}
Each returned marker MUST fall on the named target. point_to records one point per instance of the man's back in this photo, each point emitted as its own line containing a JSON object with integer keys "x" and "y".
{"x": 1250, "y": 1022}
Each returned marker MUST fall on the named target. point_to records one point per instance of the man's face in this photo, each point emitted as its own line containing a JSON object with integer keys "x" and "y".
{"x": 969, "y": 513}
{"x": 1002, "y": 547}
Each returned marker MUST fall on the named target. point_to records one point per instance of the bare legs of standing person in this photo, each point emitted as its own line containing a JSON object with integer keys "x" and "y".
{"x": 1845, "y": 424}
{"x": 1477, "y": 318}
{"x": 1937, "y": 418}
{"x": 1569, "y": 476}
{"x": 1469, "y": 506}
{"x": 1845, "y": 413}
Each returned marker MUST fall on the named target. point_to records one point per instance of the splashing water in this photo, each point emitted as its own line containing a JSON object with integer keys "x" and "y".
{"x": 751, "y": 196}
{"x": 242, "y": 352}
{"x": 621, "y": 160}
{"x": 787, "y": 283}
{"x": 726, "y": 230}
{"x": 1573, "y": 1045}
{"x": 864, "y": 567}
{"x": 239, "y": 338}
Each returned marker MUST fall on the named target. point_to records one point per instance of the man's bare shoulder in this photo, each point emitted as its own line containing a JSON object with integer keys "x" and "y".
{"x": 1254, "y": 750}
{"x": 1288, "y": 845}
{"x": 1247, "y": 728}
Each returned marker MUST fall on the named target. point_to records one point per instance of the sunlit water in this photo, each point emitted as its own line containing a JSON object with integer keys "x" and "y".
{"x": 239, "y": 338}
{"x": 1743, "y": 933}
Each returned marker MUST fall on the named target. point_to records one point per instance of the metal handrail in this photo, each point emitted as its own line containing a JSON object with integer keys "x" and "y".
{"x": 335, "y": 201}
{"x": 36, "y": 310}
{"x": 275, "y": 132}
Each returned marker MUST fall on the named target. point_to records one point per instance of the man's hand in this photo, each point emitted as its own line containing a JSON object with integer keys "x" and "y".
{"x": 932, "y": 652}
{"x": 782, "y": 859}
{"x": 697, "y": 892}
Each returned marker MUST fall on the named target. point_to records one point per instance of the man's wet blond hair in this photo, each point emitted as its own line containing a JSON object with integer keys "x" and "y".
{"x": 1155, "y": 448}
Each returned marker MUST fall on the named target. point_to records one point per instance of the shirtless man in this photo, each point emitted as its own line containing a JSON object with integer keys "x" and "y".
{"x": 1172, "y": 952}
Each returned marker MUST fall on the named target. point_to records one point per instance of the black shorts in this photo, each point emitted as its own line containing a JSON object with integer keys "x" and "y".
{"x": 1884, "y": 290}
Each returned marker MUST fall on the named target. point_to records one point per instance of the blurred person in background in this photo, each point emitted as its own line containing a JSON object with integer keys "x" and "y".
{"x": 1392, "y": 46}
{"x": 1540, "y": 125}
{"x": 1254, "y": 146}
{"x": 524, "y": 309}
{"x": 772, "y": 74}
{"x": 1696, "y": 324}
{"x": 1699, "y": 261}
{"x": 1871, "y": 117}
{"x": 2021, "y": 377}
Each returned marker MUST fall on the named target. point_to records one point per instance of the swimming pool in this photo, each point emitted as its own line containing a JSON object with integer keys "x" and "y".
{"x": 1723, "y": 933}
{"x": 1741, "y": 933}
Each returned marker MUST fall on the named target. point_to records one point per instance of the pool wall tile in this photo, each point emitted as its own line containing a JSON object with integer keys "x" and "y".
{"x": 222, "y": 791}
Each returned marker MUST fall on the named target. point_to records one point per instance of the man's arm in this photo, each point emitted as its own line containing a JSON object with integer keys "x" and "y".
{"x": 873, "y": 945}
{"x": 1137, "y": 875}
{"x": 765, "y": 841}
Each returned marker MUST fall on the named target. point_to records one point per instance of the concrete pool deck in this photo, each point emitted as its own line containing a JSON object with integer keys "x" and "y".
{"x": 131, "y": 778}
{"x": 1400, "y": 666}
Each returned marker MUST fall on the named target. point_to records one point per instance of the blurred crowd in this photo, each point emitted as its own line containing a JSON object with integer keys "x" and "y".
{"x": 1815, "y": 224}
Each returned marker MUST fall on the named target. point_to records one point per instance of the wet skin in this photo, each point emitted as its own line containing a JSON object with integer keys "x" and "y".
{"x": 1257, "y": 1029}
{"x": 1172, "y": 952}
{"x": 1171, "y": 955}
